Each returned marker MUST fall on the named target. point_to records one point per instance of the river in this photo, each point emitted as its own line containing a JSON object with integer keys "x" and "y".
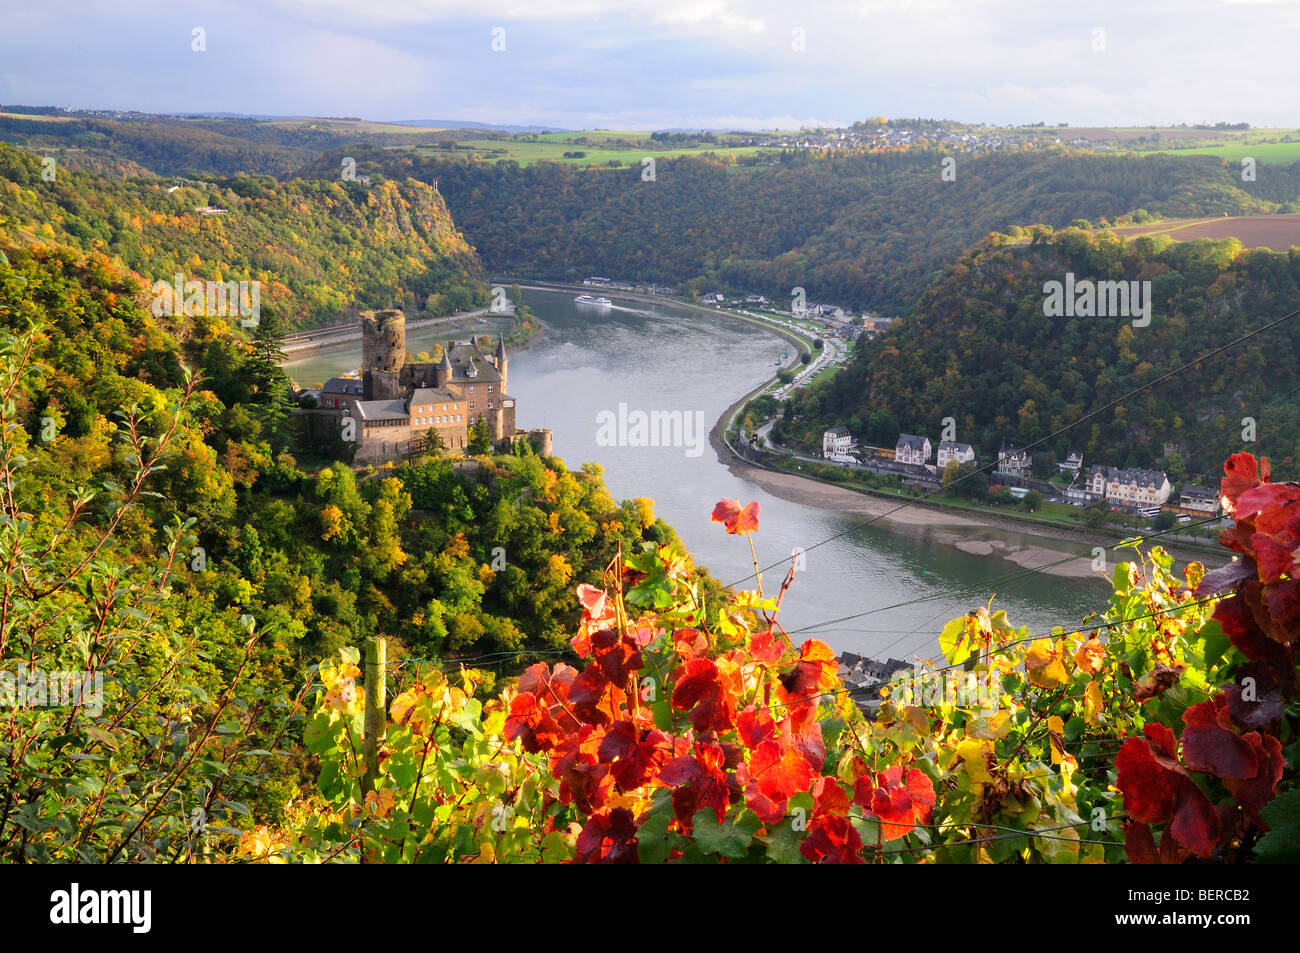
{"x": 659, "y": 356}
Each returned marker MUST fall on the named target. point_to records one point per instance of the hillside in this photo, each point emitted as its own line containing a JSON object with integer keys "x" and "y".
{"x": 979, "y": 348}
{"x": 160, "y": 499}
{"x": 862, "y": 230}
{"x": 319, "y": 248}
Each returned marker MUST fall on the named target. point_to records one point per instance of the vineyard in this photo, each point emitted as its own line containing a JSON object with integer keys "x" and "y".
{"x": 1155, "y": 733}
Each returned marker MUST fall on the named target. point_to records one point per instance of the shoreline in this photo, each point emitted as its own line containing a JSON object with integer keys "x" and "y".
{"x": 957, "y": 528}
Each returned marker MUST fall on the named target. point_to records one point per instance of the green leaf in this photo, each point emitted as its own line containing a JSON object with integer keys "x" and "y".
{"x": 731, "y": 839}
{"x": 653, "y": 840}
{"x": 949, "y": 641}
{"x": 1212, "y": 644}
{"x": 1281, "y": 845}
{"x": 783, "y": 842}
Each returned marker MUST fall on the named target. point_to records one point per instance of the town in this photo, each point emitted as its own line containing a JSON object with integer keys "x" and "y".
{"x": 1136, "y": 492}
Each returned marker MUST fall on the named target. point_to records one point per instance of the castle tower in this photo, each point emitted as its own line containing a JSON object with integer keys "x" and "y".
{"x": 542, "y": 442}
{"x": 383, "y": 352}
{"x": 501, "y": 362}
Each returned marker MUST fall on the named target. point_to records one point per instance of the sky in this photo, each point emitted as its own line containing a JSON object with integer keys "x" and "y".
{"x": 658, "y": 64}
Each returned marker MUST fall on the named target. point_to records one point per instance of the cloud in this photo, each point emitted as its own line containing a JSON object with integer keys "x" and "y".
{"x": 652, "y": 63}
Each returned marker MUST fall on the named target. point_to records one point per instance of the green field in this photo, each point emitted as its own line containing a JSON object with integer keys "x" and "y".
{"x": 597, "y": 147}
{"x": 1260, "y": 151}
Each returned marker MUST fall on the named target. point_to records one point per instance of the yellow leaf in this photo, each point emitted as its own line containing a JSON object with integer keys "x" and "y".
{"x": 1043, "y": 664}
{"x": 971, "y": 754}
{"x": 990, "y": 727}
{"x": 1055, "y": 730}
{"x": 1092, "y": 703}
{"x": 402, "y": 706}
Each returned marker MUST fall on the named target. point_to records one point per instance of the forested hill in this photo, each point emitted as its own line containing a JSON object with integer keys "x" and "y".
{"x": 862, "y": 230}
{"x": 979, "y": 348}
{"x": 318, "y": 247}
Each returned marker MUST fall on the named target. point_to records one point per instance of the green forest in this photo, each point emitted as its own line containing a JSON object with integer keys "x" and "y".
{"x": 863, "y": 230}
{"x": 320, "y": 248}
{"x": 978, "y": 348}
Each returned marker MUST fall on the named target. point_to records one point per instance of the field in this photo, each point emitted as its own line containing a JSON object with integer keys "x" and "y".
{"x": 596, "y": 147}
{"x": 1278, "y": 232}
{"x": 1235, "y": 152}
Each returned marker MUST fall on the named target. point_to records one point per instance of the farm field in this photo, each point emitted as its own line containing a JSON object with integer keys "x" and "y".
{"x": 531, "y": 149}
{"x": 1235, "y": 152}
{"x": 1278, "y": 232}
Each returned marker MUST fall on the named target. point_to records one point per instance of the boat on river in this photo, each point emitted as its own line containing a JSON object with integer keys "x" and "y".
{"x": 589, "y": 301}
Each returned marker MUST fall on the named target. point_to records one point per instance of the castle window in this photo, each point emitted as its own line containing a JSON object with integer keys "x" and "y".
{"x": 471, "y": 388}
{"x": 489, "y": 388}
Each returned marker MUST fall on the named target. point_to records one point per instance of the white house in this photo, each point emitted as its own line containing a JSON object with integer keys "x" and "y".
{"x": 1098, "y": 477}
{"x": 836, "y": 442}
{"x": 912, "y": 449}
{"x": 1138, "y": 487}
{"x": 1073, "y": 463}
{"x": 950, "y": 450}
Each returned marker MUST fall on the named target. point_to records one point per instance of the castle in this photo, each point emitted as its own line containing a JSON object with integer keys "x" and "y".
{"x": 396, "y": 404}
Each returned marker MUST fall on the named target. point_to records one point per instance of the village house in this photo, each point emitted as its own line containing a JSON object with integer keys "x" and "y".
{"x": 1073, "y": 463}
{"x": 912, "y": 449}
{"x": 836, "y": 442}
{"x": 1014, "y": 461}
{"x": 1098, "y": 477}
{"x": 1199, "y": 499}
{"x": 951, "y": 451}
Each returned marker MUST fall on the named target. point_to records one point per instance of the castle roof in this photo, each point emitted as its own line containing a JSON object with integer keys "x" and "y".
{"x": 372, "y": 410}
{"x": 433, "y": 395}
{"x": 343, "y": 385}
{"x": 469, "y": 363}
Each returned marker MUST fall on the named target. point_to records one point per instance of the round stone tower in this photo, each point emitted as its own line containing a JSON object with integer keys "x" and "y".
{"x": 383, "y": 352}
{"x": 541, "y": 439}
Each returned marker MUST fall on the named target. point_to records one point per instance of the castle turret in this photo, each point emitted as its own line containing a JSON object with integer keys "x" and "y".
{"x": 442, "y": 373}
{"x": 383, "y": 352}
{"x": 501, "y": 362}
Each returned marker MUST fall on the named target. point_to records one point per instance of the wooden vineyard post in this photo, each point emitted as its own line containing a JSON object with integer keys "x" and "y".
{"x": 376, "y": 718}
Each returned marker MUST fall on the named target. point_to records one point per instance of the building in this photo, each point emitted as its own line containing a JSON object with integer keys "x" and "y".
{"x": 949, "y": 451}
{"x": 836, "y": 442}
{"x": 1199, "y": 499}
{"x": 1138, "y": 488}
{"x": 396, "y": 405}
{"x": 1014, "y": 461}
{"x": 1073, "y": 463}
{"x": 338, "y": 392}
{"x": 912, "y": 449}
{"x": 1098, "y": 477}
